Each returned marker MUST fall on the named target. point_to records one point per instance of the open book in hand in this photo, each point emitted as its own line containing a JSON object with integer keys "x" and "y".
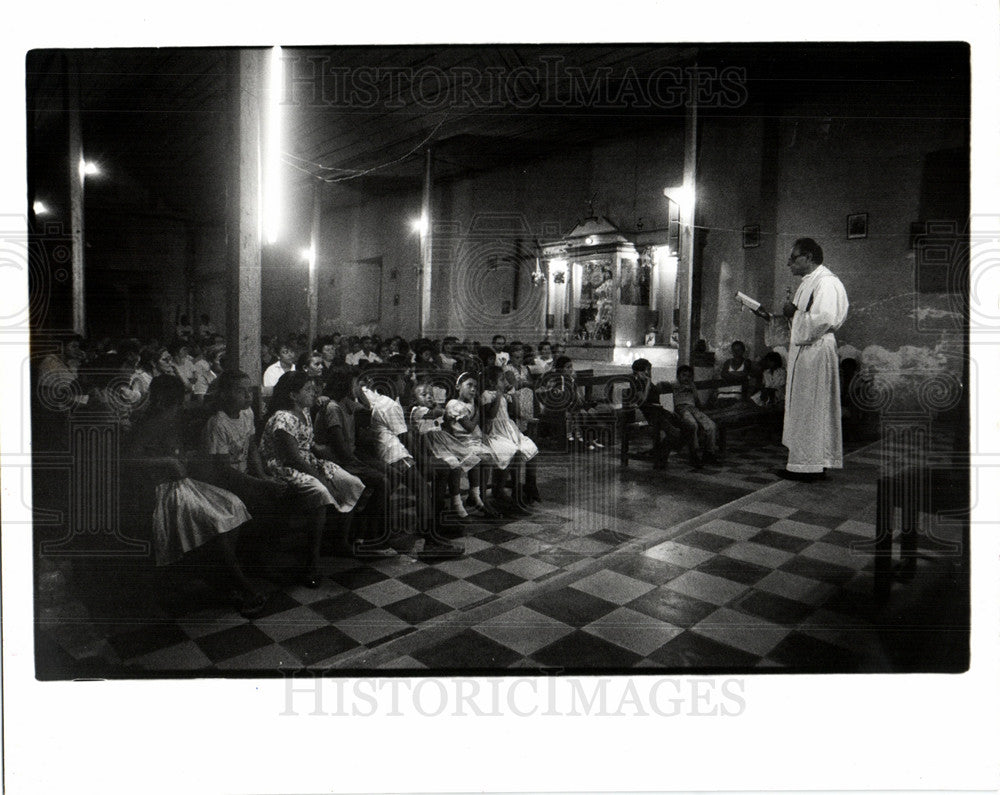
{"x": 752, "y": 305}
{"x": 747, "y": 301}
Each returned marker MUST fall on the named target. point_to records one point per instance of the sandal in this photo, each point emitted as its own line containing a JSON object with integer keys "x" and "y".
{"x": 487, "y": 511}
{"x": 363, "y": 550}
{"x": 434, "y": 548}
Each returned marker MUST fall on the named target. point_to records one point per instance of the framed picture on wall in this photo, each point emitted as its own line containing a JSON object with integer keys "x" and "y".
{"x": 751, "y": 236}
{"x": 857, "y": 226}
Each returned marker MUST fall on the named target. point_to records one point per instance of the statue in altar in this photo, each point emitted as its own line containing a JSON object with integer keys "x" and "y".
{"x": 604, "y": 302}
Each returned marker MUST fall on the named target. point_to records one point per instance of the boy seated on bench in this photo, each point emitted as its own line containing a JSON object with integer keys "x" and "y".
{"x": 663, "y": 423}
{"x": 695, "y": 421}
{"x": 736, "y": 373}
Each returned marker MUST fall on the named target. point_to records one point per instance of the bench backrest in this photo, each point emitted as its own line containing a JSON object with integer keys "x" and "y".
{"x": 590, "y": 384}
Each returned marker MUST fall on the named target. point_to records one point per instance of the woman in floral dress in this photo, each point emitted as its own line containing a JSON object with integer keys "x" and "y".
{"x": 286, "y": 450}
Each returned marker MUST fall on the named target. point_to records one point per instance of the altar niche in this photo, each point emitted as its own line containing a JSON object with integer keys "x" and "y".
{"x": 603, "y": 292}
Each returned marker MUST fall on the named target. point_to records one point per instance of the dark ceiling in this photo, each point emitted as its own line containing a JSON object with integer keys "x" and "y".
{"x": 359, "y": 118}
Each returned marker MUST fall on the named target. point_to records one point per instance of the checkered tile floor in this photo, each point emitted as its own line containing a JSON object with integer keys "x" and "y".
{"x": 780, "y": 579}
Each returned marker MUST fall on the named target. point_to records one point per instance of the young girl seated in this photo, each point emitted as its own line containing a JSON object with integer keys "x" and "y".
{"x": 506, "y": 441}
{"x": 427, "y": 418}
{"x": 439, "y": 450}
{"x": 558, "y": 395}
{"x": 286, "y": 448}
{"x": 462, "y": 416}
{"x": 519, "y": 377}
{"x": 188, "y": 513}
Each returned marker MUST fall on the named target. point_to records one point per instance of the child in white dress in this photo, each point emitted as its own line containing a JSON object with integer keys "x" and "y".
{"x": 440, "y": 450}
{"x": 507, "y": 441}
{"x": 462, "y": 416}
{"x": 188, "y": 513}
{"x": 427, "y": 418}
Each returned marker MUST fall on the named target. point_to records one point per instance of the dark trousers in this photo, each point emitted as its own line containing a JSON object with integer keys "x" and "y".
{"x": 372, "y": 524}
{"x": 665, "y": 426}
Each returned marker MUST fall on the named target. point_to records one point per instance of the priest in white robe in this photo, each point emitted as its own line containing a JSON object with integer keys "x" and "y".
{"x": 812, "y": 431}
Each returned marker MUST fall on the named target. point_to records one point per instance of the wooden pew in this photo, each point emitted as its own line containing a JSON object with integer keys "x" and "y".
{"x": 734, "y": 417}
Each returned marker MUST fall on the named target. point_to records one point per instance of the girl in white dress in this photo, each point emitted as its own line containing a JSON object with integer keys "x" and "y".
{"x": 507, "y": 441}
{"x": 518, "y": 375}
{"x": 188, "y": 513}
{"x": 462, "y": 416}
{"x": 427, "y": 419}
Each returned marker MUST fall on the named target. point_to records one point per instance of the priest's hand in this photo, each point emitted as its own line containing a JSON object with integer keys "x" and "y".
{"x": 789, "y": 309}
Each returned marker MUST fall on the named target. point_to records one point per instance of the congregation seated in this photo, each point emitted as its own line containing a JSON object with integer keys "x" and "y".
{"x": 678, "y": 425}
{"x": 382, "y": 445}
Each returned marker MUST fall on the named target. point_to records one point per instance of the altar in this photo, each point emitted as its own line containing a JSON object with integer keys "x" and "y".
{"x": 610, "y": 300}
{"x": 607, "y": 359}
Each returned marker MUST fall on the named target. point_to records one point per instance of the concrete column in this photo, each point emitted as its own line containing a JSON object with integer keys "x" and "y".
{"x": 243, "y": 234}
{"x": 314, "y": 261}
{"x": 685, "y": 265}
{"x": 76, "y": 182}
{"x": 666, "y": 298}
{"x": 771, "y": 247}
{"x": 426, "y": 264}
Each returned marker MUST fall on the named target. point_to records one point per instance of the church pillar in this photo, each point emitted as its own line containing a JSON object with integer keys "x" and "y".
{"x": 76, "y": 182}
{"x": 685, "y": 266}
{"x": 426, "y": 265}
{"x": 314, "y": 261}
{"x": 243, "y": 238}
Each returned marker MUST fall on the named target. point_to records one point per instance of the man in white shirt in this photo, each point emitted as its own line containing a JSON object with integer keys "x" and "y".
{"x": 812, "y": 430}
{"x": 285, "y": 364}
{"x": 365, "y": 354}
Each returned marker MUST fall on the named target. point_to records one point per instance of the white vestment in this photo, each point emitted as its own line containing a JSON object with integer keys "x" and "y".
{"x": 812, "y": 390}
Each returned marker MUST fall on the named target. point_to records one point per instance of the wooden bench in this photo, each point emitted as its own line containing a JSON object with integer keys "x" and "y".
{"x": 628, "y": 420}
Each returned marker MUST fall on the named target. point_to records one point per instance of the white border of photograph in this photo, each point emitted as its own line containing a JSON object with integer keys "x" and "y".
{"x": 790, "y": 732}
